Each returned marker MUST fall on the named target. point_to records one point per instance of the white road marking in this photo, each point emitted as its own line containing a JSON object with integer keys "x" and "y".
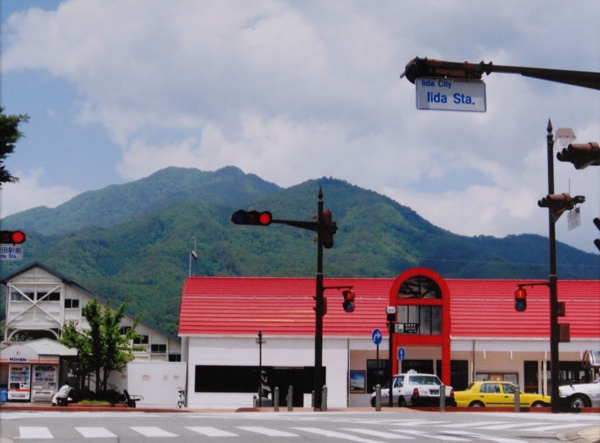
{"x": 34, "y": 432}
{"x": 94, "y": 432}
{"x": 152, "y": 431}
{"x": 267, "y": 431}
{"x": 211, "y": 432}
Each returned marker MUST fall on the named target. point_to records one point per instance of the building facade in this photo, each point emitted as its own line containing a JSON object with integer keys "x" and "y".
{"x": 39, "y": 303}
{"x": 462, "y": 330}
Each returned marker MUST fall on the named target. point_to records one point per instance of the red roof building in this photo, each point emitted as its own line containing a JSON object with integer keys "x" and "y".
{"x": 487, "y": 337}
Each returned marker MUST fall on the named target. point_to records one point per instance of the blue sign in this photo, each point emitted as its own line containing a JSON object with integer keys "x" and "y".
{"x": 376, "y": 336}
{"x": 401, "y": 354}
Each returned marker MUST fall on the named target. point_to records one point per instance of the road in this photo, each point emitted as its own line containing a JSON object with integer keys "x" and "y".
{"x": 254, "y": 427}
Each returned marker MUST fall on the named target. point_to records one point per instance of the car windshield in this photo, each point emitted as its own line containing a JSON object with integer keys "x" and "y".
{"x": 508, "y": 388}
{"x": 398, "y": 381}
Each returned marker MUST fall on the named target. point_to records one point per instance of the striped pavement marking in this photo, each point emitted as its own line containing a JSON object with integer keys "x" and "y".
{"x": 267, "y": 431}
{"x": 94, "y": 432}
{"x": 152, "y": 431}
{"x": 374, "y": 433}
{"x": 34, "y": 432}
{"x": 209, "y": 431}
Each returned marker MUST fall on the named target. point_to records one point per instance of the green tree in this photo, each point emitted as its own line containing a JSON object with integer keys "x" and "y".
{"x": 9, "y": 135}
{"x": 103, "y": 347}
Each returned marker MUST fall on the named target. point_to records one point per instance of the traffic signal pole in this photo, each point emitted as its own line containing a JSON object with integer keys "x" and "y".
{"x": 325, "y": 228}
{"x": 552, "y": 281}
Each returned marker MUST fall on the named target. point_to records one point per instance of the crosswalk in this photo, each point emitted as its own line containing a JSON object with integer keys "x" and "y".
{"x": 393, "y": 430}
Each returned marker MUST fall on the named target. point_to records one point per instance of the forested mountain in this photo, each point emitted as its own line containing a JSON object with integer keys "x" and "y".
{"x": 133, "y": 241}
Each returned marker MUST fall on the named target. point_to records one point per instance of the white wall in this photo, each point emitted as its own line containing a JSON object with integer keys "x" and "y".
{"x": 277, "y": 351}
{"x": 157, "y": 382}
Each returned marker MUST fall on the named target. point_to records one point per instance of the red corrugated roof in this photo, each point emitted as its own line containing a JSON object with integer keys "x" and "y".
{"x": 284, "y": 306}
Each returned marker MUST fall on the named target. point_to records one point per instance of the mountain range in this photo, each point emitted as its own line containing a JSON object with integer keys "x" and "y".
{"x": 134, "y": 241}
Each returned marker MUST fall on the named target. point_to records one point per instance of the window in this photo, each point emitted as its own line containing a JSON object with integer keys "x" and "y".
{"x": 419, "y": 287}
{"x": 144, "y": 340}
{"x": 429, "y": 318}
{"x": 71, "y": 303}
{"x": 158, "y": 349}
{"x": 174, "y": 357}
{"x": 123, "y": 330}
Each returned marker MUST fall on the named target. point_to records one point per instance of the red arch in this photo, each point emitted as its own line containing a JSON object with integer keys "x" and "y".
{"x": 442, "y": 340}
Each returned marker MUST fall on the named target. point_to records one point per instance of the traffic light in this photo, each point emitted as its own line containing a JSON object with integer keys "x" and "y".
{"x": 329, "y": 229}
{"x": 581, "y": 155}
{"x": 348, "y": 300}
{"x": 597, "y": 223}
{"x": 12, "y": 237}
{"x": 255, "y": 218}
{"x": 520, "y": 300}
{"x": 559, "y": 203}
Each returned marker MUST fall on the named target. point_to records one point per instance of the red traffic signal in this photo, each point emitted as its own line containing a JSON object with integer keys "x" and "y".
{"x": 581, "y": 155}
{"x": 348, "y": 300}
{"x": 12, "y": 237}
{"x": 520, "y": 300}
{"x": 254, "y": 218}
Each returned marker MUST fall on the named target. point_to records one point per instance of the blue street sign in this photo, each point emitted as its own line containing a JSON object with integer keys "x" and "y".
{"x": 376, "y": 336}
{"x": 401, "y": 354}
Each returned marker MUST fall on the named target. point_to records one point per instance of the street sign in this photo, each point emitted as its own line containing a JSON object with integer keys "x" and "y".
{"x": 450, "y": 94}
{"x": 376, "y": 336}
{"x": 11, "y": 252}
{"x": 401, "y": 354}
{"x": 407, "y": 328}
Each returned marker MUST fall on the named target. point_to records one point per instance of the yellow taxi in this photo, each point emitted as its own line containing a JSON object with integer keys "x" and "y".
{"x": 497, "y": 394}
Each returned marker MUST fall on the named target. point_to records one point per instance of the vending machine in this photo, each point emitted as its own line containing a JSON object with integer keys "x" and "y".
{"x": 19, "y": 379}
{"x": 44, "y": 384}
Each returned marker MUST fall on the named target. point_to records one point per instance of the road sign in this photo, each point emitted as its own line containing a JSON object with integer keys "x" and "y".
{"x": 11, "y": 252}
{"x": 376, "y": 336}
{"x": 450, "y": 94}
{"x": 401, "y": 354}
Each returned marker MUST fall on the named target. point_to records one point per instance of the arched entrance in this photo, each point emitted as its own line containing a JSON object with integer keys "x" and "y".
{"x": 422, "y": 301}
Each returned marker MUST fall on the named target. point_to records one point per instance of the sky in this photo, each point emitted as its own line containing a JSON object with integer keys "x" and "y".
{"x": 297, "y": 90}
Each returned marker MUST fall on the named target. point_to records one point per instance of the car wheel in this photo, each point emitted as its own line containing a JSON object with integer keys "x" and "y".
{"x": 538, "y": 404}
{"x": 373, "y": 401}
{"x": 578, "y": 402}
{"x": 476, "y": 404}
{"x": 401, "y": 401}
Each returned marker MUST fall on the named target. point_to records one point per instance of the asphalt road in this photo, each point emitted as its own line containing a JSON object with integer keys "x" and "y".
{"x": 254, "y": 427}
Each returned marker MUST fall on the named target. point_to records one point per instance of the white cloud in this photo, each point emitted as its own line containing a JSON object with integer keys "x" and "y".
{"x": 29, "y": 192}
{"x": 299, "y": 90}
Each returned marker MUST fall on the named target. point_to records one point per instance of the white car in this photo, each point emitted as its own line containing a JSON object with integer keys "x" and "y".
{"x": 579, "y": 396}
{"x": 414, "y": 389}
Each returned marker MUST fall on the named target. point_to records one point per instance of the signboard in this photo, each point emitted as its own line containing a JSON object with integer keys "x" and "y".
{"x": 574, "y": 218}
{"x": 11, "y": 252}
{"x": 450, "y": 94}
{"x": 376, "y": 336}
{"x": 407, "y": 328}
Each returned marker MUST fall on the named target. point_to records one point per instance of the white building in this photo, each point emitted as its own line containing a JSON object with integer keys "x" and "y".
{"x": 39, "y": 303}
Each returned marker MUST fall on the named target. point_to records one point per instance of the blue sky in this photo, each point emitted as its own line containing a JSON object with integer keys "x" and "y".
{"x": 293, "y": 91}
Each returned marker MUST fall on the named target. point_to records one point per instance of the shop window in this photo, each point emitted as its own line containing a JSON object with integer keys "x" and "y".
{"x": 158, "y": 349}
{"x": 377, "y": 373}
{"x": 429, "y": 318}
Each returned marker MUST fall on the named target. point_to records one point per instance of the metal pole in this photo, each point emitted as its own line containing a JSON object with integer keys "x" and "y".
{"x": 552, "y": 280}
{"x": 319, "y": 308}
{"x": 391, "y": 371}
{"x": 259, "y": 369}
